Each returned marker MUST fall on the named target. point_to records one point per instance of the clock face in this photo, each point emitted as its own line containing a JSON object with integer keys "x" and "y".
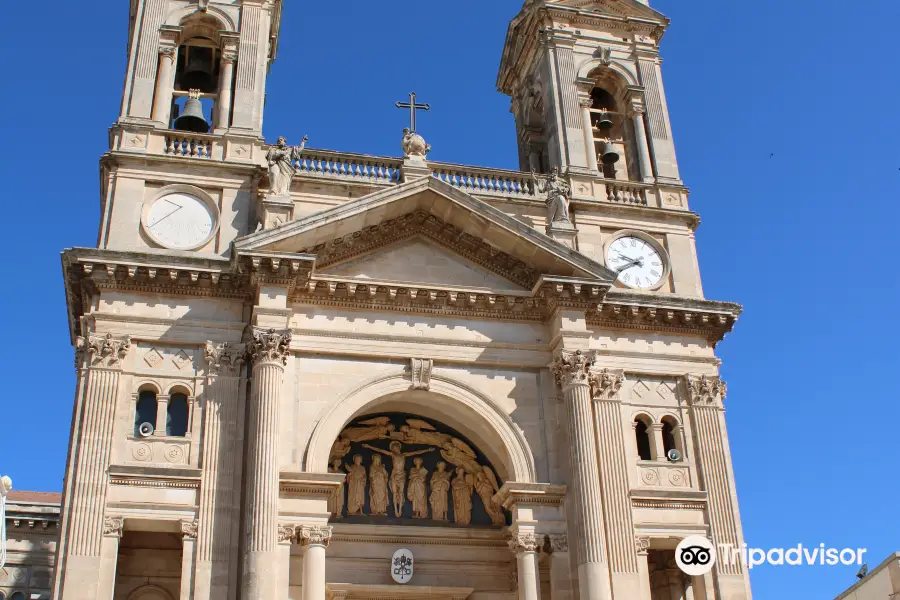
{"x": 180, "y": 221}
{"x": 637, "y": 262}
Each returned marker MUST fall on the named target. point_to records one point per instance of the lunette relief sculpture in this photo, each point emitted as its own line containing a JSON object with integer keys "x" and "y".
{"x": 463, "y": 487}
{"x": 356, "y": 486}
{"x": 378, "y": 487}
{"x": 417, "y": 492}
{"x": 440, "y": 489}
{"x": 398, "y": 471}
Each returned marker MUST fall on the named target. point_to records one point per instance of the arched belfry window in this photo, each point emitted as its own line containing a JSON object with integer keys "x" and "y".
{"x": 406, "y": 469}
{"x": 670, "y": 435}
{"x": 145, "y": 410}
{"x": 642, "y": 437}
{"x": 177, "y": 415}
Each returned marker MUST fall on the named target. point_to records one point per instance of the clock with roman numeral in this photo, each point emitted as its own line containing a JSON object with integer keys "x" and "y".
{"x": 639, "y": 260}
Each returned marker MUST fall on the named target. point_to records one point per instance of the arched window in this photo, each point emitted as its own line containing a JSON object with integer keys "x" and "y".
{"x": 145, "y": 411}
{"x": 642, "y": 437}
{"x": 177, "y": 415}
{"x": 669, "y": 428}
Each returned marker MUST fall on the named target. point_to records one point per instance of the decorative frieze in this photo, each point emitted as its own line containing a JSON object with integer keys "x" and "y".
{"x": 523, "y": 542}
{"x": 314, "y": 535}
{"x": 420, "y": 371}
{"x": 113, "y": 527}
{"x": 605, "y": 384}
{"x": 571, "y": 368}
{"x": 270, "y": 346}
{"x": 226, "y": 359}
{"x": 102, "y": 351}
{"x": 704, "y": 390}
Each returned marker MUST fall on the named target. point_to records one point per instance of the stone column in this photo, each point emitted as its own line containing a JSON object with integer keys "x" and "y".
{"x": 113, "y": 528}
{"x": 226, "y": 78}
{"x": 640, "y": 138}
{"x": 525, "y": 546}
{"x": 585, "y": 102}
{"x": 218, "y": 489}
{"x": 165, "y": 85}
{"x": 572, "y": 373}
{"x": 269, "y": 351}
{"x": 656, "y": 441}
{"x": 287, "y": 536}
{"x": 642, "y": 547}
{"x": 188, "y": 544}
{"x": 616, "y": 500}
{"x": 162, "y": 413}
{"x": 560, "y": 578}
{"x": 706, "y": 395}
{"x": 79, "y": 562}
{"x": 315, "y": 539}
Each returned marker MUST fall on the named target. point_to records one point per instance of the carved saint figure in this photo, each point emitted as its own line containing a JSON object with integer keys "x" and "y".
{"x": 417, "y": 492}
{"x": 356, "y": 486}
{"x": 280, "y": 159}
{"x": 486, "y": 487}
{"x": 558, "y": 192}
{"x": 440, "y": 488}
{"x": 375, "y": 429}
{"x": 462, "y": 497}
{"x": 336, "y": 503}
{"x": 398, "y": 472}
{"x": 378, "y": 487}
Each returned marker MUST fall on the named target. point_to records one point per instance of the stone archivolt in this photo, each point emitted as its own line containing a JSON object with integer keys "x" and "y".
{"x": 388, "y": 487}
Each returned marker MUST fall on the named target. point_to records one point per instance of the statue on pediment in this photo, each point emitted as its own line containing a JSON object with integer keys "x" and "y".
{"x": 440, "y": 490}
{"x": 417, "y": 491}
{"x": 280, "y": 159}
{"x": 398, "y": 471}
{"x": 378, "y": 487}
{"x": 559, "y": 194}
{"x": 356, "y": 486}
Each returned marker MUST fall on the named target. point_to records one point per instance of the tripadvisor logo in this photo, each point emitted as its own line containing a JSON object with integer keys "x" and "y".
{"x": 695, "y": 555}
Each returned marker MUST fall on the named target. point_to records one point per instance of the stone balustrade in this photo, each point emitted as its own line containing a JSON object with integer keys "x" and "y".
{"x": 188, "y": 144}
{"x": 479, "y": 181}
{"x": 353, "y": 167}
{"x": 627, "y": 193}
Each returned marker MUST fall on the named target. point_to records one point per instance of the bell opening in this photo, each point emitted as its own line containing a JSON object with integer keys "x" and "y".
{"x": 197, "y": 67}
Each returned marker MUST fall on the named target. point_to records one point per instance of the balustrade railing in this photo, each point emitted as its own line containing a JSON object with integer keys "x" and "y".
{"x": 353, "y": 167}
{"x": 625, "y": 193}
{"x": 485, "y": 181}
{"x": 188, "y": 144}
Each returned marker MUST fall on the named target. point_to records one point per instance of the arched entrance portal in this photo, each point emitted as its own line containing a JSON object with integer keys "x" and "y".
{"x": 405, "y": 469}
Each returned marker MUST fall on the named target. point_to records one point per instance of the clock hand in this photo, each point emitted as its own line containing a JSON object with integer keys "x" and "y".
{"x": 165, "y": 217}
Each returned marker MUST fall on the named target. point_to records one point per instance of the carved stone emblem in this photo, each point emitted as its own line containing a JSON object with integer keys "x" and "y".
{"x": 420, "y": 370}
{"x": 402, "y": 566}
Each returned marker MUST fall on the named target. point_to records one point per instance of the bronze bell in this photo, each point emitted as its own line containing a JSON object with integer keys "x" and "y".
{"x": 199, "y": 72}
{"x": 604, "y": 121}
{"x": 609, "y": 155}
{"x": 191, "y": 118}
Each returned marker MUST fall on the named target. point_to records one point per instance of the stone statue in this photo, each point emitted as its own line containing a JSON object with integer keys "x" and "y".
{"x": 462, "y": 497}
{"x": 281, "y": 159}
{"x": 486, "y": 488}
{"x": 398, "y": 472}
{"x": 378, "y": 487}
{"x": 414, "y": 144}
{"x": 559, "y": 193}
{"x": 440, "y": 489}
{"x": 417, "y": 431}
{"x": 457, "y": 453}
{"x": 339, "y": 449}
{"x": 356, "y": 486}
{"x": 417, "y": 492}
{"x": 375, "y": 429}
{"x": 336, "y": 503}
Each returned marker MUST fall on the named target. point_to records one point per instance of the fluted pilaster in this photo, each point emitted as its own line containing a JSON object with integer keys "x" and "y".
{"x": 572, "y": 373}
{"x": 269, "y": 351}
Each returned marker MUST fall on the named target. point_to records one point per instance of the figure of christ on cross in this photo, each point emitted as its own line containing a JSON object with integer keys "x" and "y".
{"x": 398, "y": 472}
{"x": 413, "y": 107}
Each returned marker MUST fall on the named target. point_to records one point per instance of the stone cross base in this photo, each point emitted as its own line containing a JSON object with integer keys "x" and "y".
{"x": 563, "y": 232}
{"x": 415, "y": 167}
{"x": 276, "y": 210}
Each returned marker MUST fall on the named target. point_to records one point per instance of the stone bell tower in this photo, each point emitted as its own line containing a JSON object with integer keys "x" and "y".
{"x": 586, "y": 89}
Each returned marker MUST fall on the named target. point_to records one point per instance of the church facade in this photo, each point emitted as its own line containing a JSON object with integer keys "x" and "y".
{"x": 310, "y": 374}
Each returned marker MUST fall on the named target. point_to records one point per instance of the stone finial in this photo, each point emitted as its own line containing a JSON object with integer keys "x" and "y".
{"x": 523, "y": 542}
{"x": 314, "y": 535}
{"x": 270, "y": 346}
{"x": 606, "y": 384}
{"x": 414, "y": 145}
{"x": 225, "y": 359}
{"x": 571, "y": 368}
{"x": 704, "y": 390}
{"x": 101, "y": 351}
{"x": 113, "y": 527}
{"x": 420, "y": 372}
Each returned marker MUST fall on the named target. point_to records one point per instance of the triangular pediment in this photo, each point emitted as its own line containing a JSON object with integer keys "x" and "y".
{"x": 613, "y": 8}
{"x": 422, "y": 262}
{"x": 481, "y": 242}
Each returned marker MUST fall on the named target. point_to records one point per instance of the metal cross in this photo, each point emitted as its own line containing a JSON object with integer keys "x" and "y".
{"x": 413, "y": 107}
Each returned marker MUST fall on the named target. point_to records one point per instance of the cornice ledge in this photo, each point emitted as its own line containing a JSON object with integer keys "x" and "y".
{"x": 310, "y": 484}
{"x": 513, "y": 493}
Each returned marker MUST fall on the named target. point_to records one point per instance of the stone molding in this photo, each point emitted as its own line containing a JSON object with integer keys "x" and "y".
{"x": 102, "y": 351}
{"x": 559, "y": 542}
{"x": 189, "y": 529}
{"x": 314, "y": 535}
{"x": 605, "y": 384}
{"x": 225, "y": 359}
{"x": 573, "y": 368}
{"x": 113, "y": 527}
{"x": 523, "y": 542}
{"x": 420, "y": 372}
{"x": 270, "y": 346}
{"x": 705, "y": 390}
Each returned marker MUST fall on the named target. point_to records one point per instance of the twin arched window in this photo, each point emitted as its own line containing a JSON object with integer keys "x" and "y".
{"x": 177, "y": 411}
{"x": 654, "y": 441}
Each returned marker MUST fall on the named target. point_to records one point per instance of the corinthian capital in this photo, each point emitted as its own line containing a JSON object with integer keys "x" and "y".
{"x": 705, "y": 391}
{"x": 572, "y": 368}
{"x": 316, "y": 535}
{"x": 113, "y": 527}
{"x": 606, "y": 384}
{"x": 101, "y": 351}
{"x": 523, "y": 542}
{"x": 226, "y": 359}
{"x": 270, "y": 346}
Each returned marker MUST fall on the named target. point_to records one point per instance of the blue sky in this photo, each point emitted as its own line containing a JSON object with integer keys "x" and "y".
{"x": 805, "y": 239}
